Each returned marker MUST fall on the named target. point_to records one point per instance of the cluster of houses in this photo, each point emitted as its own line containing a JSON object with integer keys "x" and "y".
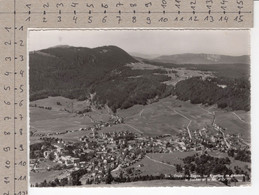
{"x": 127, "y": 147}
{"x": 204, "y": 139}
{"x": 99, "y": 152}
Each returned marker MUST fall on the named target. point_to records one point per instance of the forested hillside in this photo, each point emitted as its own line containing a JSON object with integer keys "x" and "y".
{"x": 78, "y": 72}
{"x": 123, "y": 91}
{"x": 226, "y": 93}
{"x": 69, "y": 71}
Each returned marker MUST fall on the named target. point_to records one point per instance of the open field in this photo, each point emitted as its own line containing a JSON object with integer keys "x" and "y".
{"x": 60, "y": 103}
{"x": 59, "y": 120}
{"x": 55, "y": 121}
{"x": 160, "y": 163}
{"x": 117, "y": 128}
{"x": 152, "y": 167}
{"x": 72, "y": 136}
{"x": 171, "y": 158}
{"x": 35, "y": 139}
{"x": 64, "y": 111}
{"x": 158, "y": 118}
{"x": 244, "y": 116}
{"x": 233, "y": 124}
{"x": 168, "y": 116}
{"x": 175, "y": 74}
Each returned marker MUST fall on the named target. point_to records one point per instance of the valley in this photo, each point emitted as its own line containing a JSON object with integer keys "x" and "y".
{"x": 120, "y": 121}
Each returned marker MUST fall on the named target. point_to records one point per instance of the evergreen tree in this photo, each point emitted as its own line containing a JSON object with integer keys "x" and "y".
{"x": 109, "y": 177}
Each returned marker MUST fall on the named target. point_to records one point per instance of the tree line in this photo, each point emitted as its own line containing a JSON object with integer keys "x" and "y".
{"x": 233, "y": 94}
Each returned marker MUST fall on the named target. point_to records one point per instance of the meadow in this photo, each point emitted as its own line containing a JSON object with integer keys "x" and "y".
{"x": 235, "y": 124}
{"x": 167, "y": 116}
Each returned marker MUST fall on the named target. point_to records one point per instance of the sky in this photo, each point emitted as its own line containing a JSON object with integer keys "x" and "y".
{"x": 148, "y": 42}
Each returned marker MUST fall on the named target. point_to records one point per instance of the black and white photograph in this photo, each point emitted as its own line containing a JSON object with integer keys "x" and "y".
{"x": 139, "y": 108}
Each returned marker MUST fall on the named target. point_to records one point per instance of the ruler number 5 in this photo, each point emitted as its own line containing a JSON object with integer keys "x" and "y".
{"x": 7, "y": 103}
{"x": 6, "y": 149}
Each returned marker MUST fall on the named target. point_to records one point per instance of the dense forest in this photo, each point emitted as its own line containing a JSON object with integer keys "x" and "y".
{"x": 124, "y": 92}
{"x": 76, "y": 73}
{"x": 233, "y": 94}
{"x": 205, "y": 165}
{"x": 70, "y": 71}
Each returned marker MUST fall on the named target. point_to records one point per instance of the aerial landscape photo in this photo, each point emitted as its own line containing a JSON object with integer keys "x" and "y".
{"x": 139, "y": 108}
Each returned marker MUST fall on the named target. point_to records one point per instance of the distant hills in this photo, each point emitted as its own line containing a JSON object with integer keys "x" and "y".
{"x": 205, "y": 59}
{"x": 144, "y": 56}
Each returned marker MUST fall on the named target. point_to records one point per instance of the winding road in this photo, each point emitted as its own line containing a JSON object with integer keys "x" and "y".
{"x": 190, "y": 121}
{"x": 224, "y": 137}
{"x": 210, "y": 113}
{"x": 141, "y": 132}
{"x": 157, "y": 161}
{"x": 140, "y": 113}
{"x": 239, "y": 118}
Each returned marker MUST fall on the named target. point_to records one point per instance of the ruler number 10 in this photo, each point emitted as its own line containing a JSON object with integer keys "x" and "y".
{"x": 7, "y": 164}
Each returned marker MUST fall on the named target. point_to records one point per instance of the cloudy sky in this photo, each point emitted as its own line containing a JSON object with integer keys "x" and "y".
{"x": 148, "y": 42}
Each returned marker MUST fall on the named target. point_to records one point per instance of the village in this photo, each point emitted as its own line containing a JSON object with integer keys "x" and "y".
{"x": 98, "y": 155}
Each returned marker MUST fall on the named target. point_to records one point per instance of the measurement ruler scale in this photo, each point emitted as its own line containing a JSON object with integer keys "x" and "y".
{"x": 17, "y": 16}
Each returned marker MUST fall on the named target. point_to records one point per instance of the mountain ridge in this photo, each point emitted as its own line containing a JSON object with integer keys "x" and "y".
{"x": 202, "y": 58}
{"x": 73, "y": 67}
